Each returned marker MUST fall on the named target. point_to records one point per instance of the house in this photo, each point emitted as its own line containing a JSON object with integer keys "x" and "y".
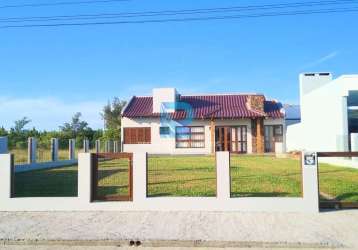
{"x": 292, "y": 114}
{"x": 170, "y": 123}
{"x": 329, "y": 114}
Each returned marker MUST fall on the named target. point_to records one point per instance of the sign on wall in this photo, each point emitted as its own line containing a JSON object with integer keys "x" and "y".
{"x": 310, "y": 159}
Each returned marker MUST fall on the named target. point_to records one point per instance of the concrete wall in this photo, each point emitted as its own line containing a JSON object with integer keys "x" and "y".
{"x": 223, "y": 201}
{"x": 43, "y": 165}
{"x": 324, "y": 125}
{"x": 166, "y": 144}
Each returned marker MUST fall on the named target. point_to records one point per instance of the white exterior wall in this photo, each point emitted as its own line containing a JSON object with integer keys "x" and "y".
{"x": 324, "y": 125}
{"x": 161, "y": 145}
{"x": 162, "y": 96}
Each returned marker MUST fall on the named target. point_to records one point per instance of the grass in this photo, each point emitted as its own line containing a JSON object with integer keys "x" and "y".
{"x": 181, "y": 176}
{"x": 113, "y": 178}
{"x": 62, "y": 182}
{"x": 338, "y": 183}
{"x": 57, "y": 182}
{"x": 251, "y": 176}
{"x": 20, "y": 155}
{"x": 265, "y": 176}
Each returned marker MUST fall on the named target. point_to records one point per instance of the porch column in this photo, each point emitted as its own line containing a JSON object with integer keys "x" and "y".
{"x": 258, "y": 136}
{"x": 212, "y": 134}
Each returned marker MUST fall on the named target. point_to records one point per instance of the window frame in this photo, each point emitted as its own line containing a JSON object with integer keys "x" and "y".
{"x": 167, "y": 130}
{"x": 274, "y": 130}
{"x": 190, "y": 141}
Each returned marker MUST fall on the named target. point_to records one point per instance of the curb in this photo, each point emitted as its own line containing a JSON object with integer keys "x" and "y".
{"x": 172, "y": 243}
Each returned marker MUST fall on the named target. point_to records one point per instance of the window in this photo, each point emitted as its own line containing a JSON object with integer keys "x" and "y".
{"x": 164, "y": 130}
{"x": 190, "y": 137}
{"x": 137, "y": 135}
{"x": 278, "y": 130}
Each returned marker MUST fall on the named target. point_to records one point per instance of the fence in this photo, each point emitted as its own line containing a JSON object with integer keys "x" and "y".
{"x": 112, "y": 178}
{"x": 48, "y": 182}
{"x": 64, "y": 150}
{"x": 191, "y": 176}
{"x": 265, "y": 176}
{"x": 43, "y": 151}
{"x": 141, "y": 202}
{"x": 338, "y": 185}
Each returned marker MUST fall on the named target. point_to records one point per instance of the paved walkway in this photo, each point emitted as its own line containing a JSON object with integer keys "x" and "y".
{"x": 328, "y": 229}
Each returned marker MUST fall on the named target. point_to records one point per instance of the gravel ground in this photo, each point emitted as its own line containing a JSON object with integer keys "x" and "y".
{"x": 327, "y": 229}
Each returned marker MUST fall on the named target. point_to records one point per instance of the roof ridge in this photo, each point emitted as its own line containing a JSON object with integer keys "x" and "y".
{"x": 223, "y": 94}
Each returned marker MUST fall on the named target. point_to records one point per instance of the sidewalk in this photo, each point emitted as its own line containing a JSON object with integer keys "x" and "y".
{"x": 183, "y": 229}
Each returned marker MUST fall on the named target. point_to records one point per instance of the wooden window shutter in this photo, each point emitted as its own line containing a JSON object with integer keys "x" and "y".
{"x": 126, "y": 135}
{"x": 147, "y": 134}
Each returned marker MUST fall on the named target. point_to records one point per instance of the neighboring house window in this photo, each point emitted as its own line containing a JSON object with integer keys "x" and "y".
{"x": 190, "y": 137}
{"x": 273, "y": 134}
{"x": 278, "y": 133}
{"x": 164, "y": 130}
{"x": 137, "y": 135}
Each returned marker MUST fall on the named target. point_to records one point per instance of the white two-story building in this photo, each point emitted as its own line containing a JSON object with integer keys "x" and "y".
{"x": 329, "y": 114}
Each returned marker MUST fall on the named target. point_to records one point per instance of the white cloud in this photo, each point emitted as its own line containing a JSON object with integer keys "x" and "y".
{"x": 48, "y": 113}
{"x": 321, "y": 60}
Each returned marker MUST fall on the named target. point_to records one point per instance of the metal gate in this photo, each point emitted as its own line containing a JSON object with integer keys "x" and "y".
{"x": 112, "y": 177}
{"x": 338, "y": 185}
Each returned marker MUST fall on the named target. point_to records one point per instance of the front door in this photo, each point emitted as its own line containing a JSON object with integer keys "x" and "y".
{"x": 233, "y": 139}
{"x": 269, "y": 139}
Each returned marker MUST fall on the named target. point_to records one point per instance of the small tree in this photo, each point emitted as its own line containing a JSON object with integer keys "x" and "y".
{"x": 112, "y": 118}
{"x": 75, "y": 126}
{"x": 20, "y": 124}
{"x": 3, "y": 132}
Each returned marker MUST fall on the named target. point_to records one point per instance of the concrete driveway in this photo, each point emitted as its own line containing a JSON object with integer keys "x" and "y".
{"x": 180, "y": 229}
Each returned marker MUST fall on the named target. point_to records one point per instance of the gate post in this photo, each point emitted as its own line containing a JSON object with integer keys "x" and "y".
{"x": 223, "y": 182}
{"x": 6, "y": 175}
{"x": 85, "y": 146}
{"x": 54, "y": 149}
{"x": 85, "y": 161}
{"x": 71, "y": 149}
{"x": 310, "y": 181}
{"x": 32, "y": 150}
{"x": 139, "y": 176}
{"x": 98, "y": 146}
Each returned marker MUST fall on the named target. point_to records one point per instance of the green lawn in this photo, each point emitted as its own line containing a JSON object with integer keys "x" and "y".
{"x": 251, "y": 176}
{"x": 113, "y": 178}
{"x": 265, "y": 176}
{"x": 182, "y": 176}
{"x": 58, "y": 182}
{"x": 338, "y": 183}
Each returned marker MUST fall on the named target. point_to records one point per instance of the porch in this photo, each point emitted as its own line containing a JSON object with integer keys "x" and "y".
{"x": 234, "y": 138}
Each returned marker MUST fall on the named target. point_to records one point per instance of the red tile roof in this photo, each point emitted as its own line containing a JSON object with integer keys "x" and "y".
{"x": 205, "y": 107}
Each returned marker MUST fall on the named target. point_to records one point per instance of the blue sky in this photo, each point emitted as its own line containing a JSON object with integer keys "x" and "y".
{"x": 47, "y": 74}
